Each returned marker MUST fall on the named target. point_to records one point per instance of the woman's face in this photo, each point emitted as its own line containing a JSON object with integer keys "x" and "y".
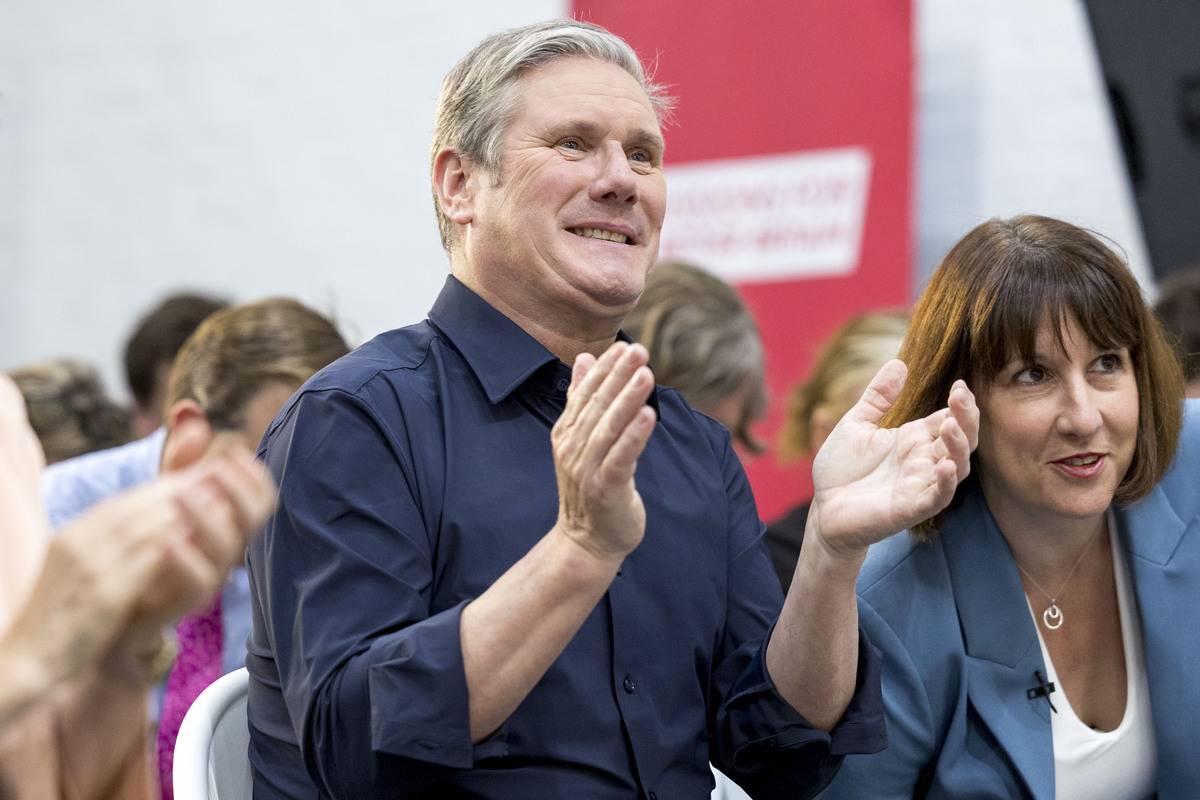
{"x": 1057, "y": 435}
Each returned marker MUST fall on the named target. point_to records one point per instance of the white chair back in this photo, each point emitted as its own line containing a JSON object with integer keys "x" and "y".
{"x": 725, "y": 788}
{"x": 211, "y": 761}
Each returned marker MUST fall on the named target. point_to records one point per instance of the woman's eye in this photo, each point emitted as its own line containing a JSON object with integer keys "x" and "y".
{"x": 1030, "y": 375}
{"x": 1109, "y": 362}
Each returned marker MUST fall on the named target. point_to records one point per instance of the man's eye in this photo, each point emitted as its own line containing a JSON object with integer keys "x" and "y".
{"x": 571, "y": 144}
{"x": 645, "y": 158}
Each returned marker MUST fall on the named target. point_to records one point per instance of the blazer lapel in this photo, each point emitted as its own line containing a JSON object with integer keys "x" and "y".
{"x": 1001, "y": 643}
{"x": 1163, "y": 554}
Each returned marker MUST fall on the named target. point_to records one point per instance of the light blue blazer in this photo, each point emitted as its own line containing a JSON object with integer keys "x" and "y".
{"x": 960, "y": 651}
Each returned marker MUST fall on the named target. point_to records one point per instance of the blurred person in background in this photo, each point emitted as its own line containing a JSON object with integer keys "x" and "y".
{"x": 704, "y": 342}
{"x": 228, "y": 382}
{"x": 82, "y": 613}
{"x": 1178, "y": 307}
{"x": 276, "y": 341}
{"x": 846, "y": 363}
{"x": 150, "y": 352}
{"x": 68, "y": 408}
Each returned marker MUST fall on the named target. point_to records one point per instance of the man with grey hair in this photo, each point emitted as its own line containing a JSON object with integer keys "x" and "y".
{"x": 466, "y": 592}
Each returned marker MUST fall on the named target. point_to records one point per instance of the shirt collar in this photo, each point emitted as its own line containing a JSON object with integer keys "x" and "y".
{"x": 499, "y": 352}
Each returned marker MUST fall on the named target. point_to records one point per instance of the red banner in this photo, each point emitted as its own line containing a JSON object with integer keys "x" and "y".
{"x": 788, "y": 167}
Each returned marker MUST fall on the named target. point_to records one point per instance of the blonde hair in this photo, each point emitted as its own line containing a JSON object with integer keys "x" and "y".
{"x": 846, "y": 363}
{"x": 239, "y": 351}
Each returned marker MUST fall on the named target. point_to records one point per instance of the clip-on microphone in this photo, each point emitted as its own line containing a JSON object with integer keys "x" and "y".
{"x": 1043, "y": 689}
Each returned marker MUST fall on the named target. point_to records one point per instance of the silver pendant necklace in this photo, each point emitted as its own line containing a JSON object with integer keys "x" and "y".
{"x": 1052, "y": 617}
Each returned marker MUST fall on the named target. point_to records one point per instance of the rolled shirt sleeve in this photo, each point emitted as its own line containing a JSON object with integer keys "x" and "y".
{"x": 758, "y": 739}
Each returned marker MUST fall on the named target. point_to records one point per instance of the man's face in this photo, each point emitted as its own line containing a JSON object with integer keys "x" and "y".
{"x": 573, "y": 219}
{"x": 261, "y": 409}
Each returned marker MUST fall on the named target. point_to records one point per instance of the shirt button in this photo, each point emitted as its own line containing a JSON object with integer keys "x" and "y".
{"x": 629, "y": 685}
{"x": 653, "y": 796}
{"x": 563, "y": 384}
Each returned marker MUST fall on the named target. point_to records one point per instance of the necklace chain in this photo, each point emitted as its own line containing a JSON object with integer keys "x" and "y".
{"x": 1052, "y": 617}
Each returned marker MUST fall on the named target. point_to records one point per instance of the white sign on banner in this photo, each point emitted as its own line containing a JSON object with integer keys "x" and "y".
{"x": 795, "y": 215}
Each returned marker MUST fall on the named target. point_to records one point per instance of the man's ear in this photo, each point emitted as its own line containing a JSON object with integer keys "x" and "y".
{"x": 453, "y": 187}
{"x": 189, "y": 435}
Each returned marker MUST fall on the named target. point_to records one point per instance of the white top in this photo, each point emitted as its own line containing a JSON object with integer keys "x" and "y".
{"x": 1107, "y": 765}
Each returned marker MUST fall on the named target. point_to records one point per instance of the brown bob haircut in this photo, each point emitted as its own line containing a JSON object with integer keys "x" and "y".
{"x": 983, "y": 307}
{"x": 241, "y": 350}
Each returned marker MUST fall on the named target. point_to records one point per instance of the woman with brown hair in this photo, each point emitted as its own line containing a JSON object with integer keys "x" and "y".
{"x": 1031, "y": 632}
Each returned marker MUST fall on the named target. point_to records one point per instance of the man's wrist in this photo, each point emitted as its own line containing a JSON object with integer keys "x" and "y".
{"x": 581, "y": 558}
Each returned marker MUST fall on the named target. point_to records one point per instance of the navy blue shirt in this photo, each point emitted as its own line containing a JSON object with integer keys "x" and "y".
{"x": 412, "y": 474}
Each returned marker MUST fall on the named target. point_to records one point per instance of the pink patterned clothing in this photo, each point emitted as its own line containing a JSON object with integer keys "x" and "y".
{"x": 197, "y": 666}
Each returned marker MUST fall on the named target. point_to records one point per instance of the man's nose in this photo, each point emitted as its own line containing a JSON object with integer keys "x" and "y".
{"x": 615, "y": 180}
{"x": 1079, "y": 417}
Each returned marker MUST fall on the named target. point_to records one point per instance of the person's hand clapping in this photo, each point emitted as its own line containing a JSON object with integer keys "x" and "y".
{"x": 870, "y": 482}
{"x": 113, "y": 578}
{"x": 597, "y": 442}
{"x": 221, "y": 503}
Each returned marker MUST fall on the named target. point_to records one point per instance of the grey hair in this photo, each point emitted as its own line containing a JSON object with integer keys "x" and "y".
{"x": 477, "y": 102}
{"x": 702, "y": 341}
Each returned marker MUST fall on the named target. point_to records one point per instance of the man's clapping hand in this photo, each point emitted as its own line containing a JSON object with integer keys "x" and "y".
{"x": 597, "y": 442}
